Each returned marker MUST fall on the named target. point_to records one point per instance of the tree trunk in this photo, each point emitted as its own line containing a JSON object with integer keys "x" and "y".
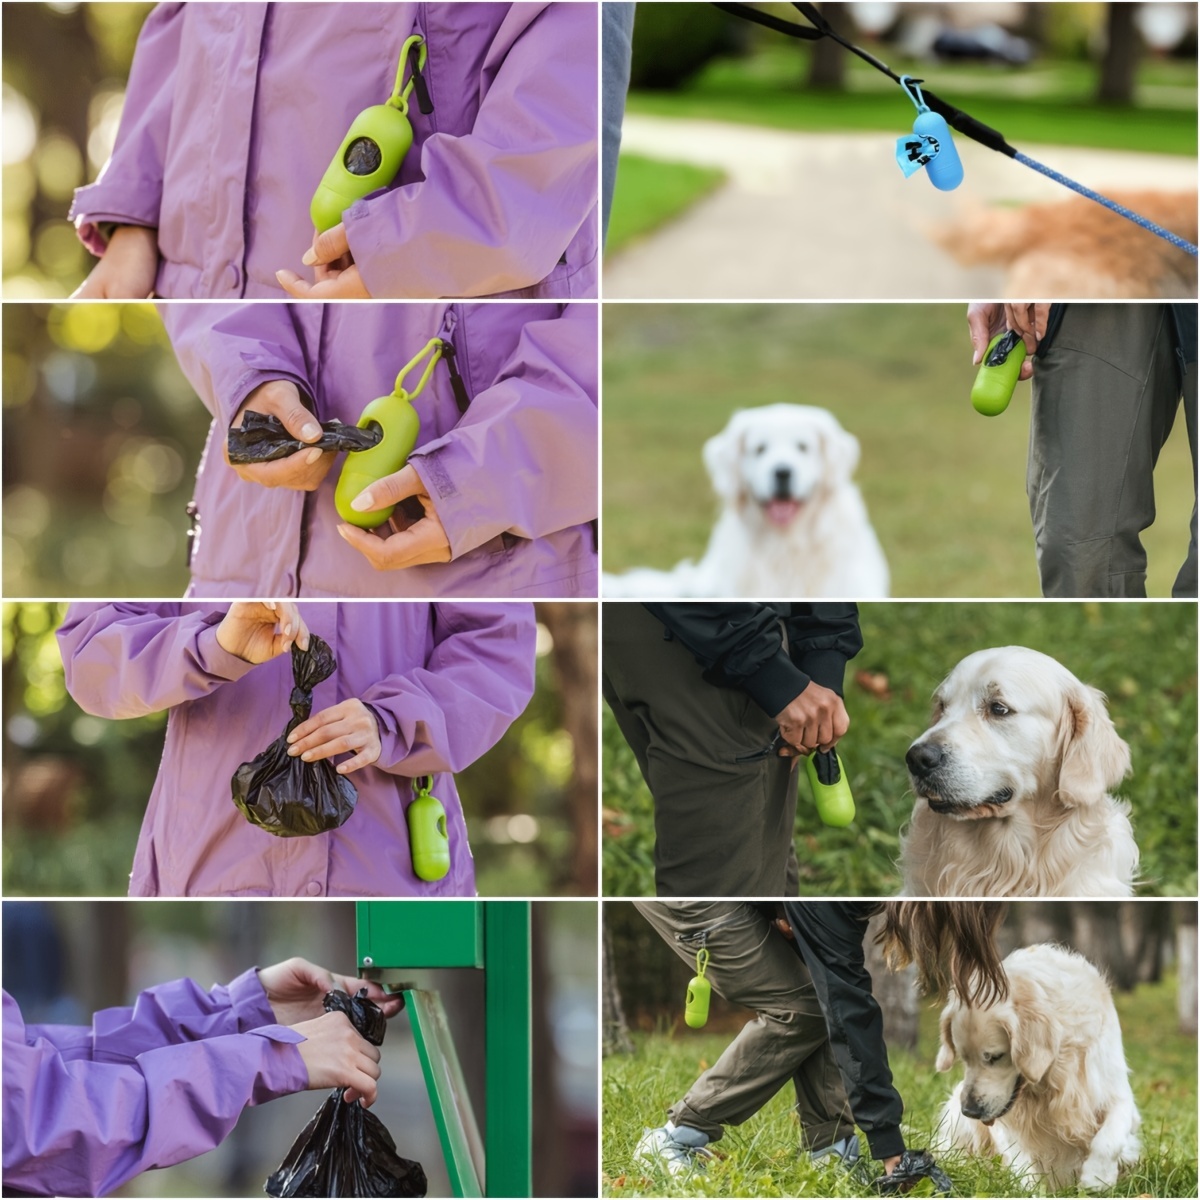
{"x": 896, "y": 992}
{"x": 573, "y": 629}
{"x": 616, "y": 1039}
{"x": 1118, "y": 68}
{"x": 1097, "y": 936}
{"x": 1185, "y": 952}
{"x": 827, "y": 67}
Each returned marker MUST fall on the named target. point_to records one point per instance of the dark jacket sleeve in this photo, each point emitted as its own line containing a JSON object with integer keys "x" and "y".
{"x": 829, "y": 938}
{"x": 742, "y": 645}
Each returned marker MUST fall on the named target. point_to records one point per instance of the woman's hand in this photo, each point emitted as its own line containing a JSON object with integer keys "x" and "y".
{"x": 257, "y": 631}
{"x": 296, "y": 988}
{"x": 128, "y": 269}
{"x": 986, "y": 320}
{"x": 413, "y": 542}
{"x": 341, "y": 729}
{"x": 306, "y": 469}
{"x": 336, "y": 1055}
{"x": 337, "y": 276}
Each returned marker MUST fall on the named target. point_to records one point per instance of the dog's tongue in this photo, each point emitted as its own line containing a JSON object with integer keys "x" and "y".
{"x": 989, "y": 1123}
{"x": 781, "y": 512}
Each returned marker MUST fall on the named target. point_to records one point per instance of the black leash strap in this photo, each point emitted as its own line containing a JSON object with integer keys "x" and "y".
{"x": 967, "y": 125}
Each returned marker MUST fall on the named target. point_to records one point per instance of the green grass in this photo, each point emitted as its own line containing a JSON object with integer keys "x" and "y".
{"x": 1142, "y": 655}
{"x": 944, "y": 486}
{"x": 651, "y": 193}
{"x": 1050, "y": 102}
{"x": 759, "y": 1157}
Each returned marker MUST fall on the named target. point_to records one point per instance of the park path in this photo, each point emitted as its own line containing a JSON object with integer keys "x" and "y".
{"x": 829, "y": 215}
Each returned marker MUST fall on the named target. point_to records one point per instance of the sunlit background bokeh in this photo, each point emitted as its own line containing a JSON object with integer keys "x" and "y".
{"x": 102, "y": 436}
{"x": 65, "y": 67}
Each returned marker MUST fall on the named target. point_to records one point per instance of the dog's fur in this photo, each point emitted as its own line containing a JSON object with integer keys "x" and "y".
{"x": 792, "y": 524}
{"x": 1019, "y": 803}
{"x": 1080, "y": 249}
{"x": 1045, "y": 1081}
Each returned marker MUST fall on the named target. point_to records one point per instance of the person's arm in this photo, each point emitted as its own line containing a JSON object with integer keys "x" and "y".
{"x": 477, "y": 680}
{"x": 498, "y": 206}
{"x": 828, "y": 936}
{"x": 738, "y": 645}
{"x": 127, "y": 660}
{"x": 129, "y": 188}
{"x": 822, "y": 638}
{"x": 84, "y": 1127}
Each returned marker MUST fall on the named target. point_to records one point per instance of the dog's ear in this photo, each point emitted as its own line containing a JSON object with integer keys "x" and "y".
{"x": 946, "y": 1053}
{"x": 1094, "y": 758}
{"x": 842, "y": 451}
{"x": 722, "y": 460}
{"x": 1032, "y": 1033}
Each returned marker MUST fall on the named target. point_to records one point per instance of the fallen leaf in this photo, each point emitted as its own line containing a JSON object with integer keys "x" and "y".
{"x": 875, "y": 683}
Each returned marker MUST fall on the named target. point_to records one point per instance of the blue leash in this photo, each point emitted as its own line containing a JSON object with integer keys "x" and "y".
{"x": 1120, "y": 209}
{"x": 993, "y": 139}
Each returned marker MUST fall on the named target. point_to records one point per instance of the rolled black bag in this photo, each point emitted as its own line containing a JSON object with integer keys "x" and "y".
{"x": 282, "y": 793}
{"x": 345, "y": 1150}
{"x": 264, "y": 438}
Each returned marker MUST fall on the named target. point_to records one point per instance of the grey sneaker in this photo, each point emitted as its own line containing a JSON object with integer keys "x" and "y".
{"x": 673, "y": 1148}
{"x": 846, "y": 1150}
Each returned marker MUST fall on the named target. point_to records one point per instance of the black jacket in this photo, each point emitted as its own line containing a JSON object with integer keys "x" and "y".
{"x": 829, "y": 938}
{"x": 741, "y": 645}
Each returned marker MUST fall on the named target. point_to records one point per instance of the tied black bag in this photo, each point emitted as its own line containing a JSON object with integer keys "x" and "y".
{"x": 345, "y": 1150}
{"x": 263, "y": 438}
{"x": 283, "y": 794}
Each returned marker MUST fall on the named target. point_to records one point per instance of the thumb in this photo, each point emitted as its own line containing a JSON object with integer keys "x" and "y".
{"x": 327, "y": 246}
{"x": 391, "y": 489}
{"x": 297, "y": 420}
{"x": 977, "y": 324}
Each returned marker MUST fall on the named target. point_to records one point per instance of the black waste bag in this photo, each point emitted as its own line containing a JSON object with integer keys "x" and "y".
{"x": 345, "y": 1150}
{"x": 263, "y": 438}
{"x": 283, "y": 794}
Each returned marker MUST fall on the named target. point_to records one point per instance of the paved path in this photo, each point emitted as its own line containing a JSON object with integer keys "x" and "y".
{"x": 829, "y": 216}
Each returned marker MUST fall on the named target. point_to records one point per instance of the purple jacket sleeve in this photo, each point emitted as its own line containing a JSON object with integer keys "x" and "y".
{"x": 478, "y": 678}
{"x": 523, "y": 458}
{"x": 129, "y": 188}
{"x": 180, "y": 1011}
{"x": 227, "y": 350}
{"x": 497, "y": 207}
{"x": 83, "y": 1126}
{"x": 127, "y": 660}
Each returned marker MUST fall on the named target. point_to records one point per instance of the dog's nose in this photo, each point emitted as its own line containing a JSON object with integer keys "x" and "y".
{"x": 783, "y": 481}
{"x": 924, "y": 757}
{"x": 971, "y": 1107}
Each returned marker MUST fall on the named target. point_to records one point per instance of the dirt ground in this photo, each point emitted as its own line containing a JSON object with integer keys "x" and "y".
{"x": 830, "y": 216}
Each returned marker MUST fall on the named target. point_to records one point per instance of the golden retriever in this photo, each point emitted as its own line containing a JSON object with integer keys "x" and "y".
{"x": 1011, "y": 782}
{"x": 792, "y": 524}
{"x": 1045, "y": 1083}
{"x": 1078, "y": 248}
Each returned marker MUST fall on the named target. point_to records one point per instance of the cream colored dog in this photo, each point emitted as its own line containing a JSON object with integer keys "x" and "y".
{"x": 1045, "y": 1083}
{"x": 1012, "y": 782}
{"x": 792, "y": 523}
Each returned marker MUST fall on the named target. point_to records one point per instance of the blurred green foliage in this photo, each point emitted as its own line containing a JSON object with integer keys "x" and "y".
{"x": 65, "y": 68}
{"x": 1051, "y": 100}
{"x": 945, "y": 487}
{"x": 1142, "y": 655}
{"x": 102, "y": 435}
{"x": 651, "y": 193}
{"x": 75, "y": 786}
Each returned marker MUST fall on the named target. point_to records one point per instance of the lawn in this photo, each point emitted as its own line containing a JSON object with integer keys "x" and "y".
{"x": 759, "y": 1158}
{"x": 1048, "y": 103}
{"x": 944, "y": 486}
{"x": 1142, "y": 655}
{"x": 650, "y": 193}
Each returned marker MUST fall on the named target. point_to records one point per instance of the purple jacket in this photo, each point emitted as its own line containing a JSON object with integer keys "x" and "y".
{"x": 85, "y": 1109}
{"x": 445, "y": 682}
{"x": 233, "y": 112}
{"x": 514, "y": 481}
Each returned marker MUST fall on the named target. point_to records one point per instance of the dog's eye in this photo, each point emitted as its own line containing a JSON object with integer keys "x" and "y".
{"x": 997, "y": 709}
{"x": 761, "y": 448}
{"x": 802, "y": 447}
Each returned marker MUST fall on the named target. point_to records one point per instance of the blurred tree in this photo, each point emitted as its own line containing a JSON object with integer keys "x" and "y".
{"x": 1122, "y": 50}
{"x": 1185, "y": 955}
{"x": 616, "y": 1038}
{"x": 575, "y": 653}
{"x": 827, "y": 64}
{"x": 671, "y": 42}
